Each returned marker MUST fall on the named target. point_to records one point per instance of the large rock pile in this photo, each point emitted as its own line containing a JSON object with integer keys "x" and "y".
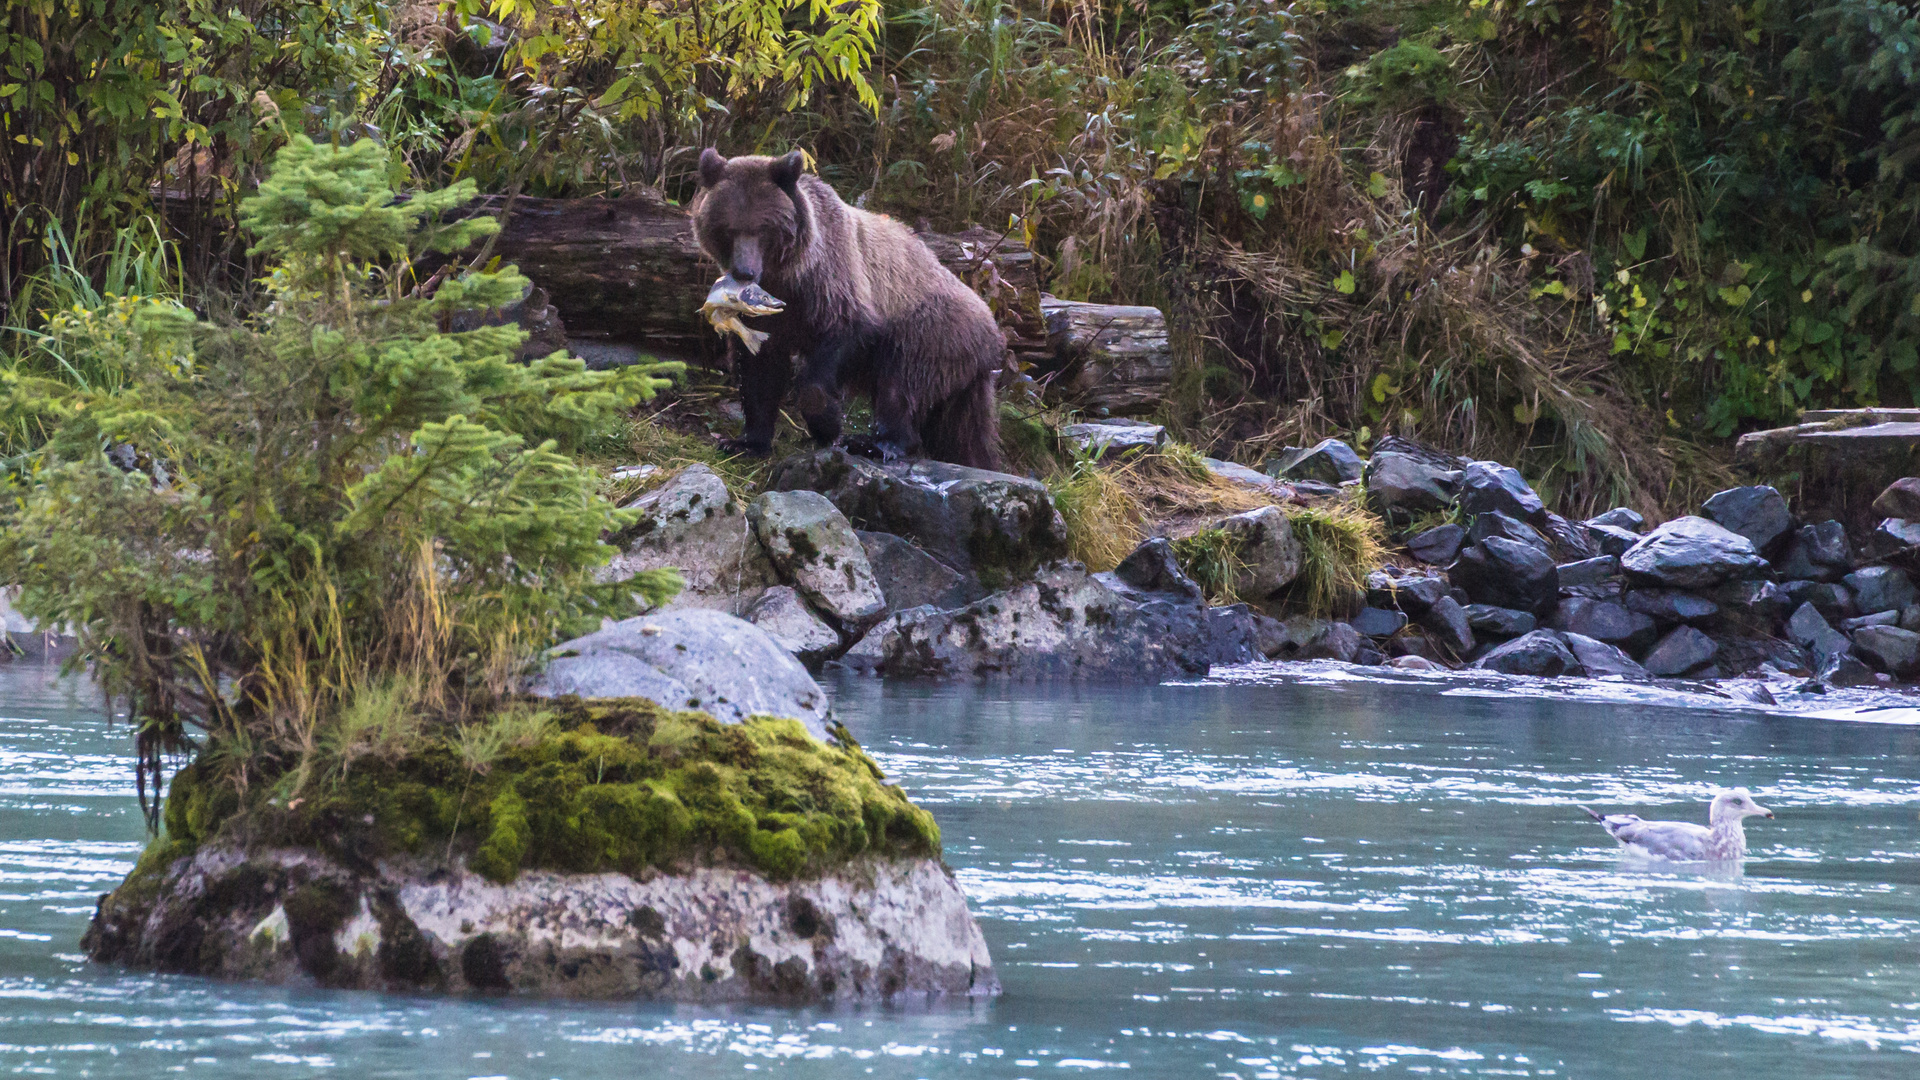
{"x": 924, "y": 568}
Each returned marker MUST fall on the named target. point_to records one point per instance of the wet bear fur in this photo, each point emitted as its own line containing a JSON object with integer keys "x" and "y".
{"x": 869, "y": 309}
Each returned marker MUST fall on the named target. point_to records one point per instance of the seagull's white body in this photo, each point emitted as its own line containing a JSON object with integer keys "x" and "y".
{"x": 1723, "y": 839}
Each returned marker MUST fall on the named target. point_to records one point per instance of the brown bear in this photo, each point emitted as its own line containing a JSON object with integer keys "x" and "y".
{"x": 868, "y": 308}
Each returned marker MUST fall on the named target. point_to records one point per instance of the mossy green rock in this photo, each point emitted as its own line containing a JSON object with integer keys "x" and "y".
{"x": 618, "y": 849}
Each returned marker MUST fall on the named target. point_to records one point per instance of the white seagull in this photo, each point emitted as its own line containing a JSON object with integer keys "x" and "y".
{"x": 1723, "y": 840}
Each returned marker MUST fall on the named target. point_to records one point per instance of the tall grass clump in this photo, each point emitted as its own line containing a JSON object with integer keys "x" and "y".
{"x": 283, "y": 534}
{"x": 1105, "y": 522}
{"x": 1211, "y": 557}
{"x": 1340, "y": 543}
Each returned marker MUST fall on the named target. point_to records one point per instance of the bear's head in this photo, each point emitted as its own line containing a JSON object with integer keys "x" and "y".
{"x": 749, "y": 215}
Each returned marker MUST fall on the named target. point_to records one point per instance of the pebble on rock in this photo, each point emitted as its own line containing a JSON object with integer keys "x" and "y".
{"x": 1671, "y": 605}
{"x": 1599, "y": 659}
{"x": 1497, "y": 523}
{"x": 1402, "y": 487}
{"x": 1446, "y": 622}
{"x": 1589, "y": 571}
{"x": 1611, "y": 539}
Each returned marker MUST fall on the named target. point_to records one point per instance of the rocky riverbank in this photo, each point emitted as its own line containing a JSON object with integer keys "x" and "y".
{"x": 925, "y": 569}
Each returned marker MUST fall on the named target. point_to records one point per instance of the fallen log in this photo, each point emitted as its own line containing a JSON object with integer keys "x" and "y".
{"x": 626, "y": 271}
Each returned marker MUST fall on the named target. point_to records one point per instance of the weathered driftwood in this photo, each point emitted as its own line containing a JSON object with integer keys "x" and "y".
{"x": 1834, "y": 467}
{"x": 1111, "y": 357}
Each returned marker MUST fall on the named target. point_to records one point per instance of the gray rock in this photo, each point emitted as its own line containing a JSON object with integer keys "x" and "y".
{"x": 1064, "y": 622}
{"x": 793, "y": 625}
{"x": 1762, "y": 599}
{"x": 692, "y": 523}
{"x": 1402, "y": 487}
{"x": 1439, "y": 545}
{"x": 1895, "y": 536}
{"x": 1757, "y": 513}
{"x": 1834, "y": 600}
{"x": 1910, "y": 618}
{"x": 1808, "y": 629}
{"x": 1495, "y": 523}
{"x": 1376, "y": 622}
{"x": 1569, "y": 539}
{"x": 997, "y": 527}
{"x": 1415, "y": 641}
{"x": 1231, "y": 636}
{"x": 1610, "y": 539}
{"x": 1507, "y": 574}
{"x": 1605, "y": 621}
{"x": 1412, "y": 593}
{"x": 1620, "y": 517}
{"x": 1600, "y": 660}
{"x": 1337, "y": 641}
{"x": 813, "y": 546}
{"x": 1269, "y": 635}
{"x": 1889, "y": 648}
{"x": 1235, "y": 473}
{"x": 1845, "y": 669}
{"x": 1878, "y": 618}
{"x": 1589, "y": 571}
{"x": 909, "y": 577}
{"x": 1683, "y": 650}
{"x": 1268, "y": 553}
{"x": 1692, "y": 553}
{"x": 690, "y": 659}
{"x": 1152, "y": 567}
{"x": 1499, "y": 622}
{"x": 1671, "y": 605}
{"x": 1447, "y": 624}
{"x": 1488, "y": 486}
{"x": 1540, "y": 653}
{"x": 1900, "y": 499}
{"x": 1740, "y": 654}
{"x": 1818, "y": 552}
{"x": 1111, "y": 438}
{"x": 1329, "y": 461}
{"x": 1880, "y": 588}
{"x": 874, "y": 931}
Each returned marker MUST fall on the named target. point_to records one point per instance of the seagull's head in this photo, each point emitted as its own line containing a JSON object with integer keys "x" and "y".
{"x": 1736, "y": 804}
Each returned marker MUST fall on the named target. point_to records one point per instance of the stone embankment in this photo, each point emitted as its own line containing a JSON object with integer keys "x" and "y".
{"x": 925, "y": 569}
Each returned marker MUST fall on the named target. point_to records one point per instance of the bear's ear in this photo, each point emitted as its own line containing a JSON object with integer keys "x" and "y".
{"x": 712, "y": 167}
{"x": 786, "y": 170}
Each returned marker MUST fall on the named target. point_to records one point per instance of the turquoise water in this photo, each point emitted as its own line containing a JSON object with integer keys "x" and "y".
{"x": 1253, "y": 879}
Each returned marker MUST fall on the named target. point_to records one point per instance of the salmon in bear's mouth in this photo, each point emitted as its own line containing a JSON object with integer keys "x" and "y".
{"x": 729, "y": 301}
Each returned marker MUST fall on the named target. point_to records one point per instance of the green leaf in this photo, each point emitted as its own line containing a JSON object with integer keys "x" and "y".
{"x": 1344, "y": 284}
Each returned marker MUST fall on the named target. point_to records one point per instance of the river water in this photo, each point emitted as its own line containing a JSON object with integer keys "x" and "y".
{"x": 1257, "y": 876}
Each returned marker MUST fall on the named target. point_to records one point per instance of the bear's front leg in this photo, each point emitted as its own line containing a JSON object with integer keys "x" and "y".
{"x": 763, "y": 385}
{"x": 898, "y": 429}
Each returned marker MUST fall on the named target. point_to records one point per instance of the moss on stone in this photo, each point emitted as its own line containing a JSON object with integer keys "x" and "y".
{"x": 618, "y": 785}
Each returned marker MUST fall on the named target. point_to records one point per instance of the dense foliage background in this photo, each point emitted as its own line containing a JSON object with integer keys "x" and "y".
{"x": 1592, "y": 238}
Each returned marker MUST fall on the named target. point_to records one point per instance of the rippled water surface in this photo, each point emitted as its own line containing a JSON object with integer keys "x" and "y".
{"x": 1249, "y": 878}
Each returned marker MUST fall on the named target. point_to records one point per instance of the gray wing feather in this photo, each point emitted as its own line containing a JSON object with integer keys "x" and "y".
{"x": 1675, "y": 841}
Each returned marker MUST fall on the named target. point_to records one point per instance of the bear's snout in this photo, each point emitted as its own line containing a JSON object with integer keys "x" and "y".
{"x": 746, "y": 260}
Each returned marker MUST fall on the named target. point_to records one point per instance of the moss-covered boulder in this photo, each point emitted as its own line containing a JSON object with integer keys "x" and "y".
{"x": 579, "y": 848}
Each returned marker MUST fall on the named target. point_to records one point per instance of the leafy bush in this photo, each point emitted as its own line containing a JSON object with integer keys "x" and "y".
{"x": 253, "y": 524}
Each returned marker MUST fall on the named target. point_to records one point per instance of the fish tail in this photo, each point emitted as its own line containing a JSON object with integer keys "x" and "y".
{"x": 1597, "y": 817}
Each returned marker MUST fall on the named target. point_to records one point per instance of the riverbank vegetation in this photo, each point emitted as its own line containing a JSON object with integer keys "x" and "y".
{"x": 1591, "y": 239}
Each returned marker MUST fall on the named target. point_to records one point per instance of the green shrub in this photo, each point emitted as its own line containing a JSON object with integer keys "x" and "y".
{"x": 257, "y": 523}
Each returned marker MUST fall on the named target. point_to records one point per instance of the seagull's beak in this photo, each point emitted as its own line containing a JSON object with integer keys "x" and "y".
{"x": 1763, "y": 810}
